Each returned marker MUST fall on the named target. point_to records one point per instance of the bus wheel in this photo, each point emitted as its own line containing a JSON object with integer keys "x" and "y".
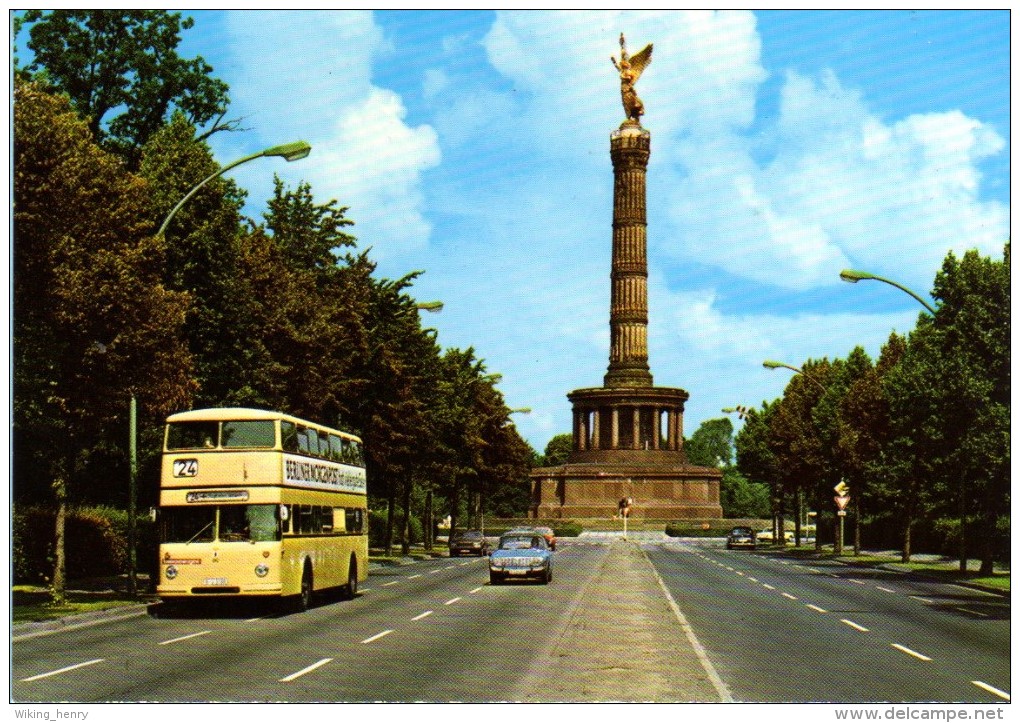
{"x": 304, "y": 598}
{"x": 351, "y": 589}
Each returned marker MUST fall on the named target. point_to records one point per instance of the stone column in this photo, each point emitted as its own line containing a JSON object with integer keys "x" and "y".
{"x": 628, "y": 312}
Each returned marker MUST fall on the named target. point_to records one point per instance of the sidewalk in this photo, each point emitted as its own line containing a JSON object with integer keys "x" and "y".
{"x": 625, "y": 634}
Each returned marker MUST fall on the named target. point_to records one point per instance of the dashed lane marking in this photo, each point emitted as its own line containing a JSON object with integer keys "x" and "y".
{"x": 817, "y": 609}
{"x": 62, "y": 670}
{"x": 854, "y": 625}
{"x": 908, "y": 651}
{"x": 883, "y": 589}
{"x": 922, "y": 599}
{"x": 767, "y": 586}
{"x": 788, "y": 595}
{"x": 972, "y": 612}
{"x": 185, "y": 637}
{"x": 423, "y": 615}
{"x": 994, "y": 691}
{"x": 303, "y": 671}
{"x": 375, "y": 637}
{"x": 482, "y": 587}
{"x": 412, "y": 577}
{"x": 391, "y": 582}
{"x": 451, "y": 602}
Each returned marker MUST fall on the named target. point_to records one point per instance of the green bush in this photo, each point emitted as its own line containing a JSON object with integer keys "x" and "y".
{"x": 95, "y": 543}
{"x": 377, "y": 528}
{"x": 567, "y": 529}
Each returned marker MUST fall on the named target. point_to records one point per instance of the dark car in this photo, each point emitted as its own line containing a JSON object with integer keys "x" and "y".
{"x": 521, "y": 555}
{"x": 470, "y": 541}
{"x": 741, "y": 537}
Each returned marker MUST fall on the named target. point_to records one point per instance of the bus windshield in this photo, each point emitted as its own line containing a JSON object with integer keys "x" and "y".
{"x": 226, "y": 523}
{"x": 240, "y": 434}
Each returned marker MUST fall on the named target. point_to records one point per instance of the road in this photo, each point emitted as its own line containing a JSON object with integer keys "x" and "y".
{"x": 699, "y": 622}
{"x": 779, "y": 630}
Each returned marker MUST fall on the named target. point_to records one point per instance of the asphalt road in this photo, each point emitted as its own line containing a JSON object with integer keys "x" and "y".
{"x": 641, "y": 620}
{"x": 435, "y": 630}
{"x": 778, "y": 630}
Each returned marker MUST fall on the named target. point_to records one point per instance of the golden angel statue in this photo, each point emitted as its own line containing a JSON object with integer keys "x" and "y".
{"x": 631, "y": 67}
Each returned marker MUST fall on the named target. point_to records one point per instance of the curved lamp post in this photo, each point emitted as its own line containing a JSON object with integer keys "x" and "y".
{"x": 288, "y": 151}
{"x": 769, "y": 364}
{"x": 852, "y": 276}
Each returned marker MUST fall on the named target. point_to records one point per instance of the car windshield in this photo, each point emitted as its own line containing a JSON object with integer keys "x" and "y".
{"x": 469, "y": 535}
{"x": 741, "y": 531}
{"x": 516, "y": 543}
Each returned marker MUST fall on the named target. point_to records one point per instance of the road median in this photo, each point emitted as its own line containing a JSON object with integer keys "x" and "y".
{"x": 625, "y": 640}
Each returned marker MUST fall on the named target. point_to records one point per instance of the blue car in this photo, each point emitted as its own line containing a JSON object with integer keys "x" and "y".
{"x": 520, "y": 556}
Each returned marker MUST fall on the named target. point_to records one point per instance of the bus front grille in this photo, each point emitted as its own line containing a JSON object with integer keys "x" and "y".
{"x": 219, "y": 590}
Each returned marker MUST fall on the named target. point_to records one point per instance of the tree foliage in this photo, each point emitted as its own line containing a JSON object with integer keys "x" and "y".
{"x": 122, "y": 73}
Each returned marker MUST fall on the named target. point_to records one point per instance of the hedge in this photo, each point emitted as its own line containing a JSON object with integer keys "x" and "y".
{"x": 95, "y": 543}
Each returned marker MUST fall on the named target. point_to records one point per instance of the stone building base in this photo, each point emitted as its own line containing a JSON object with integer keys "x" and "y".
{"x": 580, "y": 491}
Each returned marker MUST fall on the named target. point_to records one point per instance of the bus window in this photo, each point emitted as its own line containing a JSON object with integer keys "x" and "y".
{"x": 263, "y": 523}
{"x": 192, "y": 435}
{"x": 336, "y": 448}
{"x": 324, "y": 445}
{"x": 187, "y": 524}
{"x": 302, "y": 438}
{"x": 353, "y": 521}
{"x": 313, "y": 443}
{"x": 289, "y": 436}
{"x": 260, "y": 433}
{"x": 359, "y": 454}
{"x": 339, "y": 520}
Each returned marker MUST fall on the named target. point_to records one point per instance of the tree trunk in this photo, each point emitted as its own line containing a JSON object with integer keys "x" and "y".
{"x": 428, "y": 525}
{"x": 908, "y": 523}
{"x": 405, "y": 541}
{"x": 857, "y": 524}
{"x": 57, "y": 590}
{"x": 963, "y": 526}
{"x": 391, "y": 505}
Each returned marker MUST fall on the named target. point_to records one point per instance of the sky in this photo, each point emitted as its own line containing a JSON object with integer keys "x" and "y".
{"x": 786, "y": 146}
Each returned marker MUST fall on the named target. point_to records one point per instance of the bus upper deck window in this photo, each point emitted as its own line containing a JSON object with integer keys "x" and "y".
{"x": 250, "y": 433}
{"x": 192, "y": 435}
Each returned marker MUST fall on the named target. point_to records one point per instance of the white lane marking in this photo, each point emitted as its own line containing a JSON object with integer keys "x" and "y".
{"x": 449, "y": 567}
{"x": 376, "y": 637}
{"x": 392, "y": 582}
{"x": 972, "y": 612}
{"x": 854, "y": 625}
{"x": 739, "y": 573}
{"x": 699, "y": 650}
{"x": 423, "y": 615}
{"x": 434, "y": 572}
{"x": 788, "y": 595}
{"x": 451, "y": 602}
{"x": 908, "y": 651}
{"x": 412, "y": 577}
{"x": 857, "y": 582}
{"x": 253, "y": 620}
{"x": 994, "y": 691}
{"x": 752, "y": 579}
{"x": 883, "y": 589}
{"x": 185, "y": 637}
{"x": 477, "y": 589}
{"x": 922, "y": 599}
{"x": 817, "y": 609}
{"x": 309, "y": 669}
{"x": 62, "y": 670}
{"x": 767, "y": 586}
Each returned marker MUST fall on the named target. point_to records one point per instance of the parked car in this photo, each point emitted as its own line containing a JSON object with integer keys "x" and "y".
{"x": 521, "y": 555}
{"x": 741, "y": 537}
{"x": 549, "y": 535}
{"x": 766, "y": 536}
{"x": 472, "y": 542}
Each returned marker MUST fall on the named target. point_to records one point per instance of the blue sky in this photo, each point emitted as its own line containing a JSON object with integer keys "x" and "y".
{"x": 474, "y": 145}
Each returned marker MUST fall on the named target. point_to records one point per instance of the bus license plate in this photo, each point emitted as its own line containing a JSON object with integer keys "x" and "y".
{"x": 215, "y": 581}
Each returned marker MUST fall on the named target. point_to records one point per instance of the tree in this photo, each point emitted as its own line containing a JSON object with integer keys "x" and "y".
{"x": 558, "y": 449}
{"x": 93, "y": 324}
{"x": 711, "y": 445}
{"x": 121, "y": 71}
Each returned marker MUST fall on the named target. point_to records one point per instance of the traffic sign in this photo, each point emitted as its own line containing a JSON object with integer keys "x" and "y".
{"x": 842, "y": 488}
{"x": 842, "y": 501}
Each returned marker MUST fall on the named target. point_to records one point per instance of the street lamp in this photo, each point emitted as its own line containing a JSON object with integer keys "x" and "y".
{"x": 741, "y": 411}
{"x": 288, "y": 151}
{"x": 851, "y": 276}
{"x": 769, "y": 364}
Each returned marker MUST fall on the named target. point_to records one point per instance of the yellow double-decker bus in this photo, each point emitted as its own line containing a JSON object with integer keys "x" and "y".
{"x": 259, "y": 503}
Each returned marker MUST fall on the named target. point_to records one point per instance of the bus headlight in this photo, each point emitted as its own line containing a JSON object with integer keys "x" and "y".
{"x": 262, "y": 569}
{"x": 171, "y": 572}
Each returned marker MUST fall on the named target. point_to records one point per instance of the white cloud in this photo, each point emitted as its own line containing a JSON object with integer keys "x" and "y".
{"x": 312, "y": 80}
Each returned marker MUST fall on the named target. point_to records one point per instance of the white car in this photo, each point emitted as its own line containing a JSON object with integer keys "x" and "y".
{"x": 766, "y": 536}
